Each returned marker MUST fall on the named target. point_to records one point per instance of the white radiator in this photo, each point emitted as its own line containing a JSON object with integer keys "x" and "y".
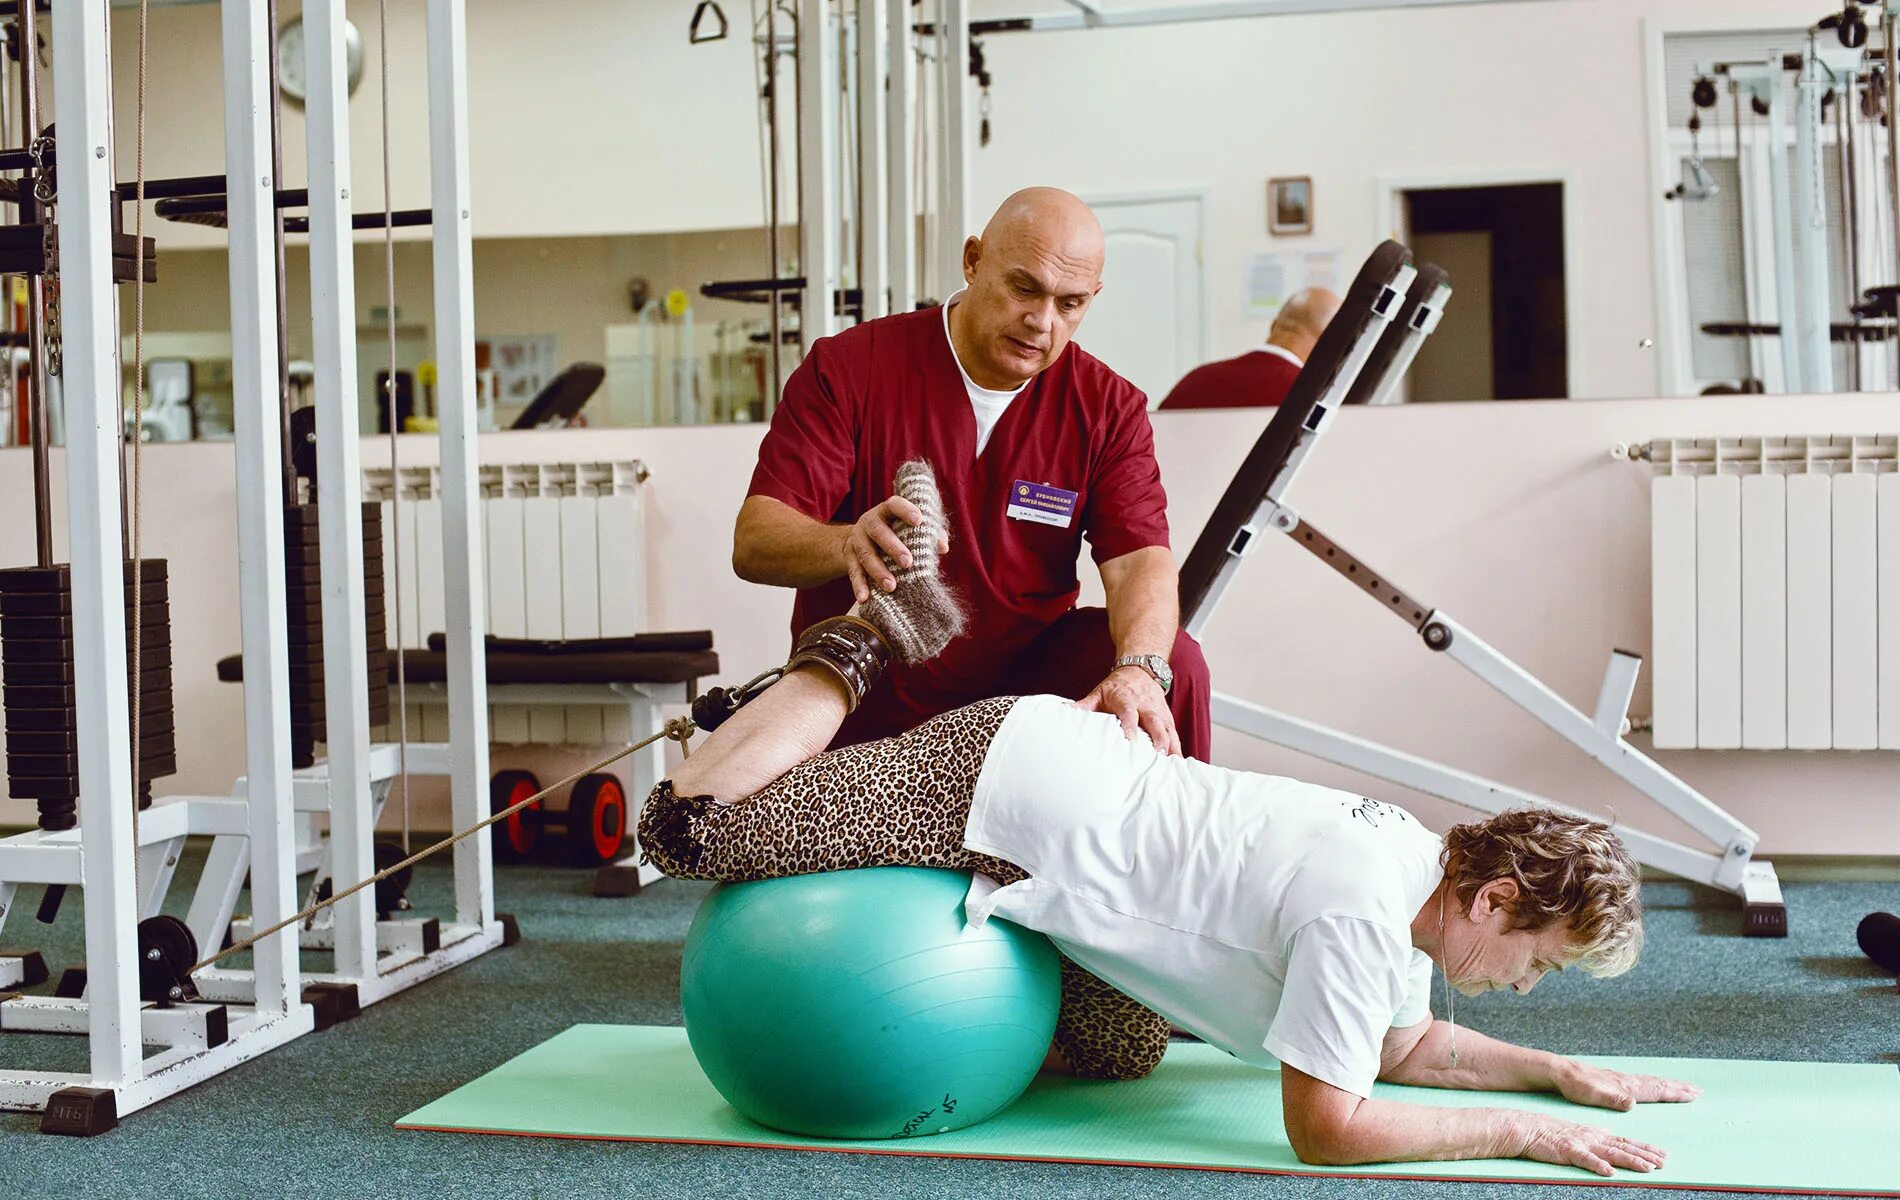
{"x": 1775, "y": 567}
{"x": 565, "y": 558}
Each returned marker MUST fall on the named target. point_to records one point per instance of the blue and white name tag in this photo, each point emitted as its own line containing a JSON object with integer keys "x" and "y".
{"x": 1041, "y": 503}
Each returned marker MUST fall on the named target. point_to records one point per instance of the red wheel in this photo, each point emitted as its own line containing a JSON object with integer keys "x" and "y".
{"x": 514, "y": 839}
{"x": 596, "y": 820}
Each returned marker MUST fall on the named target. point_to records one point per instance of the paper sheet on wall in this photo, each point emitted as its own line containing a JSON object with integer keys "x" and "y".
{"x": 1274, "y": 276}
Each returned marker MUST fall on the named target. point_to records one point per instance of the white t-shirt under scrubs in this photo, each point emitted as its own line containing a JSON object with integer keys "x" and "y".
{"x": 1269, "y": 917}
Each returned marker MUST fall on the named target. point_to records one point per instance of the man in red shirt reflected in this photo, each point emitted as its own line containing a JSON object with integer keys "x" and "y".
{"x": 1036, "y": 446}
{"x": 1263, "y": 376}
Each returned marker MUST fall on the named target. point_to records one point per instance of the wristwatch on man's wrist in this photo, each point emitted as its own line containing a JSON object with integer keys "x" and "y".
{"x": 1154, "y": 664}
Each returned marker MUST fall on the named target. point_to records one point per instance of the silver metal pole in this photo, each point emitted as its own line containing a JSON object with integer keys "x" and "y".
{"x": 277, "y": 237}
{"x": 900, "y": 163}
{"x": 817, "y": 156}
{"x": 1850, "y": 216}
{"x": 1814, "y": 313}
{"x": 775, "y": 318}
{"x": 35, "y": 294}
{"x": 462, "y": 557}
{"x": 873, "y": 148}
{"x": 82, "y": 101}
{"x": 1890, "y": 56}
{"x": 954, "y": 203}
{"x": 339, "y": 481}
{"x": 249, "y": 37}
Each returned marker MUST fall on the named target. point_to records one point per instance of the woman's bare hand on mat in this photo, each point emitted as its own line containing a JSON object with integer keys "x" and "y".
{"x": 1567, "y": 1144}
{"x": 871, "y": 537}
{"x": 1133, "y": 697}
{"x": 1600, "y": 1087}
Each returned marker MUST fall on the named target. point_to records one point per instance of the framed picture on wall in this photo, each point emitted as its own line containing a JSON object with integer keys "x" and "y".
{"x": 1290, "y": 205}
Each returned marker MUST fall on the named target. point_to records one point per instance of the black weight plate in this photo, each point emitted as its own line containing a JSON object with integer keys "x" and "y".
{"x": 58, "y": 578}
{"x": 155, "y": 751}
{"x": 54, "y": 674}
{"x": 42, "y": 789}
{"x": 62, "y": 719}
{"x": 59, "y": 647}
{"x": 154, "y": 656}
{"x": 60, "y": 601}
{"x": 67, "y": 742}
{"x": 52, "y": 769}
{"x": 35, "y": 579}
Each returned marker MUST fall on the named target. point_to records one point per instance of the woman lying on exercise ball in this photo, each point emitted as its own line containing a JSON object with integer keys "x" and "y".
{"x": 1277, "y": 920}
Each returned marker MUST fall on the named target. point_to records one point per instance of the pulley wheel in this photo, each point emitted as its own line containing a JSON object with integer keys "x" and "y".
{"x": 167, "y": 953}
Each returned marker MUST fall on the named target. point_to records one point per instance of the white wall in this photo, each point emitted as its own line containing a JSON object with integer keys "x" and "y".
{"x": 1512, "y": 518}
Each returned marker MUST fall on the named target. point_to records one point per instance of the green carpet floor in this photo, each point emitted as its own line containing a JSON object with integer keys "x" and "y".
{"x": 315, "y": 1118}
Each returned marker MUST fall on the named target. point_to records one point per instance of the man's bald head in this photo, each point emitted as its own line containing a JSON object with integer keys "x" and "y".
{"x": 1304, "y": 316}
{"x": 1050, "y": 220}
{"x": 1031, "y": 277}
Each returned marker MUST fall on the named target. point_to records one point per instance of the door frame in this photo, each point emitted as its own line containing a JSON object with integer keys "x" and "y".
{"x": 1389, "y": 212}
{"x": 1201, "y": 195}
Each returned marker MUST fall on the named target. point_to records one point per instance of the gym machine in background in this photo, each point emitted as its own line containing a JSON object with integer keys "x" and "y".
{"x": 1816, "y": 245}
{"x": 146, "y": 984}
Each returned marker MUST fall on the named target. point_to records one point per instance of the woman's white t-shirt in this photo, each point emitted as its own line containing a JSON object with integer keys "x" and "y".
{"x": 1269, "y": 917}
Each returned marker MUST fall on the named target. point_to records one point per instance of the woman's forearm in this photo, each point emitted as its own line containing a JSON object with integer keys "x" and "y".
{"x": 1389, "y": 1131}
{"x": 1484, "y": 1064}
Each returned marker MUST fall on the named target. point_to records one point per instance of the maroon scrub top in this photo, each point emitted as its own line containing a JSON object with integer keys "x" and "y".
{"x": 1256, "y": 378}
{"x": 889, "y": 390}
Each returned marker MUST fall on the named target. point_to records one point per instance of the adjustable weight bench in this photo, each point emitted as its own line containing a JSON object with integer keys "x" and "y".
{"x": 1361, "y": 355}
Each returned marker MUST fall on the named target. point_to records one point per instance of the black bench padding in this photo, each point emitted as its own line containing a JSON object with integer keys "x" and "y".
{"x": 1430, "y": 278}
{"x": 662, "y": 658}
{"x": 639, "y": 643}
{"x": 1282, "y": 434}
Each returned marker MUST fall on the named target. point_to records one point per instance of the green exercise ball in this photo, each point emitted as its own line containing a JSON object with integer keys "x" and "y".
{"x": 856, "y": 1004}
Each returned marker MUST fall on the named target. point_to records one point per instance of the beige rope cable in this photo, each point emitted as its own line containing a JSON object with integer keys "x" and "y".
{"x": 393, "y": 537}
{"x": 678, "y": 729}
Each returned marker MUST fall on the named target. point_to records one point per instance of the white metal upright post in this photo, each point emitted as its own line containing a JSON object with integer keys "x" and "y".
{"x": 873, "y": 183}
{"x": 901, "y": 162}
{"x": 82, "y": 108}
{"x": 339, "y": 482}
{"x": 953, "y": 204}
{"x": 255, "y": 414}
{"x": 817, "y": 199}
{"x": 466, "y": 618}
{"x": 1774, "y": 90}
{"x": 1810, "y": 322}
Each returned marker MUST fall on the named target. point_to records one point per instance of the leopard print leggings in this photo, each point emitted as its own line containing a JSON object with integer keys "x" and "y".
{"x": 901, "y": 801}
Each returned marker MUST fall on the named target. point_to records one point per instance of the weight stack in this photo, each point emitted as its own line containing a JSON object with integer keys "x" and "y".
{"x": 41, "y": 701}
{"x": 304, "y": 608}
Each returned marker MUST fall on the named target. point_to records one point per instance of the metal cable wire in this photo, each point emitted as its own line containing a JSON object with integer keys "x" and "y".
{"x": 137, "y": 671}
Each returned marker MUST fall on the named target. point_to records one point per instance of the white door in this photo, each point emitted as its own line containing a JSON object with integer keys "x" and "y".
{"x": 1150, "y": 323}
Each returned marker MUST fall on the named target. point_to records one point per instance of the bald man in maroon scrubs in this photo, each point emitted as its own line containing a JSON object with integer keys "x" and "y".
{"x": 1036, "y": 445}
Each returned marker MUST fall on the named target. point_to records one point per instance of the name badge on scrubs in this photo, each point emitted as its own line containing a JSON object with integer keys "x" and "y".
{"x": 1041, "y": 503}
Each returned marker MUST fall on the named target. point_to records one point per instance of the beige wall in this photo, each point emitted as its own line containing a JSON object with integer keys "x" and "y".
{"x": 1512, "y": 518}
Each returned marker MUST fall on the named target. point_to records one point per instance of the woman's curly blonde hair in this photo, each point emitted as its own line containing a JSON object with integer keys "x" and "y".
{"x": 1568, "y": 869}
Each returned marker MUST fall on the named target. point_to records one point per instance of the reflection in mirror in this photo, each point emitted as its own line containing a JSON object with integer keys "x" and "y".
{"x": 1779, "y": 226}
{"x": 596, "y": 331}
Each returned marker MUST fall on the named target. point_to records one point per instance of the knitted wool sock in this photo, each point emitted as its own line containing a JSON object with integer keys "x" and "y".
{"x": 923, "y": 615}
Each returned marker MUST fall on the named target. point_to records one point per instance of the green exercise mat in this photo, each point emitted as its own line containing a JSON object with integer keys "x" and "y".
{"x": 1820, "y": 1127}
